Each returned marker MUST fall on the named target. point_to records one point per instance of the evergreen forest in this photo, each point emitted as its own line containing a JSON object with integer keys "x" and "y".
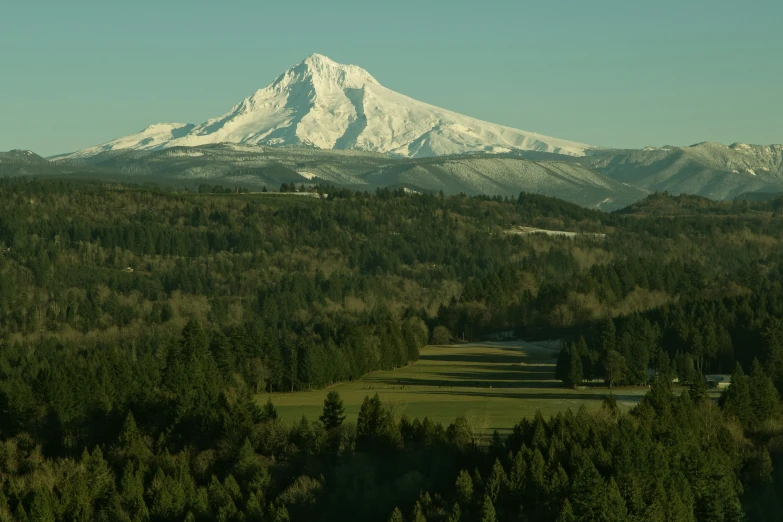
{"x": 141, "y": 325}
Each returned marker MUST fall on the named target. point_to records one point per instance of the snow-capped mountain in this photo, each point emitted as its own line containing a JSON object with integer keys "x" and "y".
{"x": 323, "y": 104}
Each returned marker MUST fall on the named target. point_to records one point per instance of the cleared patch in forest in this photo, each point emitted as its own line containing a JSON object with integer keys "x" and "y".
{"x": 523, "y": 231}
{"x": 494, "y": 384}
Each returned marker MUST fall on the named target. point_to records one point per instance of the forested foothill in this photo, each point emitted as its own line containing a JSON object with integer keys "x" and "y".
{"x": 139, "y": 327}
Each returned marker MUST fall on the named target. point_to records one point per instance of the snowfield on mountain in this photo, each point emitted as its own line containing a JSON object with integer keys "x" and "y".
{"x": 323, "y": 104}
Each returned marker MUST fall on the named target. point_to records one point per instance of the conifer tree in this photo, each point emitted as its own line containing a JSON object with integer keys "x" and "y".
{"x": 464, "y": 486}
{"x": 20, "y": 513}
{"x": 247, "y": 464}
{"x": 193, "y": 342}
{"x": 334, "y": 412}
{"x": 269, "y": 412}
{"x": 132, "y": 492}
{"x": 370, "y": 417}
{"x": 456, "y": 513}
{"x": 41, "y": 509}
{"x": 607, "y": 335}
{"x": 279, "y": 513}
{"x": 698, "y": 389}
{"x": 396, "y": 516}
{"x": 375, "y": 426}
{"x": 677, "y": 510}
{"x": 773, "y": 353}
{"x": 131, "y": 443}
{"x": 496, "y": 445}
{"x": 536, "y": 479}
{"x": 616, "y": 510}
{"x": 569, "y": 367}
{"x": 566, "y": 513}
{"x": 736, "y": 399}
{"x": 478, "y": 481}
{"x": 615, "y": 367}
{"x": 5, "y": 513}
{"x": 563, "y": 363}
{"x": 574, "y": 369}
{"x": 764, "y": 396}
{"x": 100, "y": 478}
{"x": 518, "y": 474}
{"x": 254, "y": 507}
{"x": 588, "y": 491}
{"x": 557, "y": 486}
{"x": 496, "y": 482}
{"x": 609, "y": 405}
{"x": 487, "y": 511}
{"x": 418, "y": 513}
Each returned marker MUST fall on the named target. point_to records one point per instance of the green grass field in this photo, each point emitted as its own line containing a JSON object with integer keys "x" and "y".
{"x": 494, "y": 384}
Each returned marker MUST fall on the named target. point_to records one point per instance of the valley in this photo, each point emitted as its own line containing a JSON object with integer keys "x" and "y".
{"x": 492, "y": 384}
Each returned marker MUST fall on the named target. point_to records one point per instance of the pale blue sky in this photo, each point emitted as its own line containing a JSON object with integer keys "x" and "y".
{"x": 616, "y": 73}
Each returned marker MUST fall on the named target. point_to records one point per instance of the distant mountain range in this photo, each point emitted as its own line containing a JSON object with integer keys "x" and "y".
{"x": 323, "y": 122}
{"x": 708, "y": 169}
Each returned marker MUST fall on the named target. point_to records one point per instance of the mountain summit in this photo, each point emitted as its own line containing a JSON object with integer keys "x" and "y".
{"x": 321, "y": 103}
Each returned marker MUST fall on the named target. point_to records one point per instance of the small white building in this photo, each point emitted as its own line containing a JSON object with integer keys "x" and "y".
{"x": 718, "y": 381}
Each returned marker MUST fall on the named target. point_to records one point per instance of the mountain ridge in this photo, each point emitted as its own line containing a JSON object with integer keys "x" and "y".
{"x": 707, "y": 169}
{"x": 607, "y": 179}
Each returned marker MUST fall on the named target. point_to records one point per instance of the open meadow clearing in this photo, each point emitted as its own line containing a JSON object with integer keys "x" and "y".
{"x": 494, "y": 384}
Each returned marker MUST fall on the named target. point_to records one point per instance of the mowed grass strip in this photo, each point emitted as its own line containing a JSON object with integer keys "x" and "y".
{"x": 494, "y": 384}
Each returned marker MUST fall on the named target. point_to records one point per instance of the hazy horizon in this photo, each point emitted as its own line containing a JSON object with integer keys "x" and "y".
{"x": 607, "y": 74}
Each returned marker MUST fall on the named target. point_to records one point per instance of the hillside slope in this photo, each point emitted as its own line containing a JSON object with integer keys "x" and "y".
{"x": 508, "y": 176}
{"x": 256, "y": 166}
{"x": 706, "y": 169}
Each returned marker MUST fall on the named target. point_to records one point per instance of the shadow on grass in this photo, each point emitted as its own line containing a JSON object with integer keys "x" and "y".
{"x": 474, "y": 358}
{"x": 492, "y": 355}
{"x": 478, "y": 380}
{"x": 539, "y": 396}
{"x": 480, "y": 376}
{"x": 539, "y": 370}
